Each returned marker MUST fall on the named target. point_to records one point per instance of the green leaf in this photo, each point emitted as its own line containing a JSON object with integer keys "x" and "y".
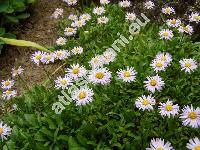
{"x": 47, "y": 132}
{"x": 2, "y": 31}
{"x": 82, "y": 140}
{"x": 63, "y": 137}
{"x": 39, "y": 137}
{"x": 23, "y": 43}
{"x": 31, "y": 119}
{"x": 23, "y": 16}
{"x": 12, "y": 19}
{"x": 73, "y": 144}
{"x": 4, "y": 6}
{"x": 9, "y": 35}
{"x": 1, "y": 42}
{"x": 31, "y": 1}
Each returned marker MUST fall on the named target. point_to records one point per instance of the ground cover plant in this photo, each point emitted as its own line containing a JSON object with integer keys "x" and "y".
{"x": 140, "y": 90}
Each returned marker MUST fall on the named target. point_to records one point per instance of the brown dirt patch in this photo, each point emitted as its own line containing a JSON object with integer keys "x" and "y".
{"x": 39, "y": 28}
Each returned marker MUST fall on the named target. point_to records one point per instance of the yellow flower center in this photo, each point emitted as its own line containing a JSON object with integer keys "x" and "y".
{"x": 192, "y": 115}
{"x": 173, "y": 22}
{"x": 153, "y": 82}
{"x": 127, "y": 74}
{"x": 166, "y": 34}
{"x": 197, "y": 18}
{"x": 1, "y": 130}
{"x": 160, "y": 148}
{"x": 197, "y": 147}
{"x": 188, "y": 65}
{"x": 79, "y": 23}
{"x": 63, "y": 82}
{"x": 75, "y": 71}
{"x": 15, "y": 72}
{"x": 96, "y": 60}
{"x": 107, "y": 57}
{"x": 70, "y": 30}
{"x": 85, "y": 17}
{"x": 59, "y": 54}
{"x": 38, "y": 57}
{"x": 99, "y": 75}
{"x": 48, "y": 57}
{"x": 82, "y": 95}
{"x": 159, "y": 64}
{"x": 7, "y": 83}
{"x": 186, "y": 29}
{"x": 8, "y": 92}
{"x": 145, "y": 102}
{"x": 77, "y": 50}
{"x": 164, "y": 58}
{"x": 168, "y": 10}
{"x": 169, "y": 107}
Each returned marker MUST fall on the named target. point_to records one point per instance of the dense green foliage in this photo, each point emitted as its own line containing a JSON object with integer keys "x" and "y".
{"x": 11, "y": 12}
{"x": 111, "y": 121}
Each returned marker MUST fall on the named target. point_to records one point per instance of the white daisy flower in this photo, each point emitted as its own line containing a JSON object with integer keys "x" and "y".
{"x": 36, "y": 57}
{"x": 127, "y": 75}
{"x": 159, "y": 144}
{"x": 7, "y": 84}
{"x": 104, "y": 2}
{"x": 149, "y": 5}
{"x": 99, "y": 10}
{"x": 173, "y": 23}
{"x": 100, "y": 76}
{"x": 109, "y": 56}
{"x": 48, "y": 58}
{"x": 4, "y": 131}
{"x": 168, "y": 109}
{"x": 70, "y": 31}
{"x": 130, "y": 16}
{"x": 187, "y": 29}
{"x": 17, "y": 72}
{"x": 191, "y": 116}
{"x": 73, "y": 17}
{"x": 154, "y": 83}
{"x": 61, "y": 41}
{"x": 188, "y": 65}
{"x": 158, "y": 65}
{"x": 125, "y": 3}
{"x": 85, "y": 17}
{"x": 77, "y": 50}
{"x": 194, "y": 144}
{"x": 78, "y": 23}
{"x": 63, "y": 82}
{"x": 75, "y": 71}
{"x": 166, "y": 34}
{"x": 71, "y": 2}
{"x": 102, "y": 20}
{"x": 145, "y": 102}
{"x": 8, "y": 94}
{"x": 194, "y": 17}
{"x": 166, "y": 57}
{"x": 83, "y": 96}
{"x": 96, "y": 61}
{"x": 168, "y": 10}
{"x": 61, "y": 54}
{"x": 58, "y": 13}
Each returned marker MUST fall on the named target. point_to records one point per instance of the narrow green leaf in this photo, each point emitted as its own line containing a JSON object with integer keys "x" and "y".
{"x": 24, "y": 43}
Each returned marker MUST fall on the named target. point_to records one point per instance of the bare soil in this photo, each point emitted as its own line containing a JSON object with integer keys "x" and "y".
{"x": 40, "y": 28}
